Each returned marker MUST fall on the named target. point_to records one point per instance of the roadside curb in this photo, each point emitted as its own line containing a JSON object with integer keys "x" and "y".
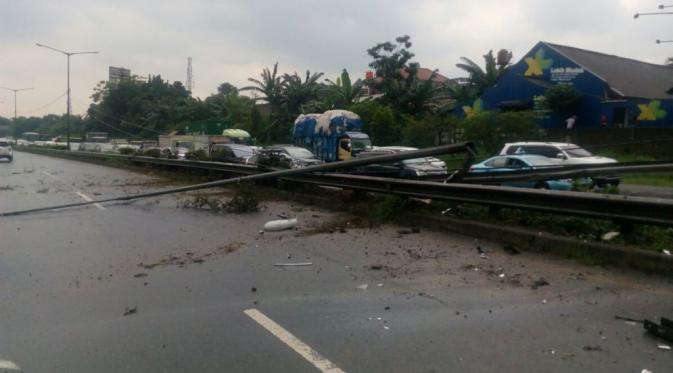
{"x": 537, "y": 241}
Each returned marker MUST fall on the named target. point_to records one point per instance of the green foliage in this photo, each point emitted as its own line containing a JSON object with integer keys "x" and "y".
{"x": 563, "y": 99}
{"x": 397, "y": 77}
{"x": 342, "y": 93}
{"x": 127, "y": 151}
{"x": 135, "y": 108}
{"x": 490, "y": 130}
{"x": 380, "y": 122}
{"x": 156, "y": 153}
{"x": 387, "y": 208}
{"x": 197, "y": 155}
{"x": 481, "y": 79}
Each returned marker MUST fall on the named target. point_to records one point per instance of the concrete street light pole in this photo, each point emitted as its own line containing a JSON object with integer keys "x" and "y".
{"x": 68, "y": 54}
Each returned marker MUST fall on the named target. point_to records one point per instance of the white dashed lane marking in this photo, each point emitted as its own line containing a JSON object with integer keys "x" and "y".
{"x": 311, "y": 355}
{"x": 89, "y": 199}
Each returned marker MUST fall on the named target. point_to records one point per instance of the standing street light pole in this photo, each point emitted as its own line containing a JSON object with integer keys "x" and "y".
{"x": 15, "y": 90}
{"x": 68, "y": 54}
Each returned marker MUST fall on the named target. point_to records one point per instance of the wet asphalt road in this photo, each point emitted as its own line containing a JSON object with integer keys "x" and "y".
{"x": 67, "y": 277}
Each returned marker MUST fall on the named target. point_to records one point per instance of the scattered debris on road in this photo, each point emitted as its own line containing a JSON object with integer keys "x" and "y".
{"x": 665, "y": 330}
{"x": 539, "y": 283}
{"x": 300, "y": 264}
{"x": 130, "y": 311}
{"x": 629, "y": 319}
{"x": 511, "y": 249}
{"x": 362, "y": 287}
{"x": 592, "y": 348}
{"x": 376, "y": 267}
{"x": 139, "y": 275}
{"x": 664, "y": 347}
{"x": 609, "y": 236}
{"x": 280, "y": 225}
{"x": 191, "y": 258}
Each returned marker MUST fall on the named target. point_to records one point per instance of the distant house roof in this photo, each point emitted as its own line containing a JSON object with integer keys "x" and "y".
{"x": 424, "y": 74}
{"x": 627, "y": 77}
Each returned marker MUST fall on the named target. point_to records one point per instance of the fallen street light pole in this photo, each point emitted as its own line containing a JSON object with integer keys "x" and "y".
{"x": 444, "y": 149}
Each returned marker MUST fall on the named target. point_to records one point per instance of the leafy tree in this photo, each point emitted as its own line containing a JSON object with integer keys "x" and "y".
{"x": 226, "y": 89}
{"x": 491, "y": 130}
{"x": 298, "y": 92}
{"x": 481, "y": 79}
{"x": 563, "y": 99}
{"x": 397, "y": 78}
{"x": 343, "y": 93}
{"x": 381, "y": 123}
{"x": 270, "y": 86}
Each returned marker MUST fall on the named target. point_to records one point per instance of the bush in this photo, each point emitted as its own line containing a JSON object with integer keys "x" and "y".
{"x": 380, "y": 122}
{"x": 127, "y": 151}
{"x": 491, "y": 130}
{"x": 156, "y": 153}
{"x": 197, "y": 155}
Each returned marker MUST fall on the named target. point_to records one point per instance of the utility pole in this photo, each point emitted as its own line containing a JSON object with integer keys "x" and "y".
{"x": 190, "y": 75}
{"x": 68, "y": 54}
{"x": 15, "y": 90}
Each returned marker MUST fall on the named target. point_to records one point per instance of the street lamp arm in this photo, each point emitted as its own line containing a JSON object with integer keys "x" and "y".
{"x": 635, "y": 16}
{"x": 92, "y": 52}
{"x": 52, "y": 48}
{"x": 17, "y": 90}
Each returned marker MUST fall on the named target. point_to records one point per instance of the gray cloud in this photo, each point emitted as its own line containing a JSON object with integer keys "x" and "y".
{"x": 234, "y": 40}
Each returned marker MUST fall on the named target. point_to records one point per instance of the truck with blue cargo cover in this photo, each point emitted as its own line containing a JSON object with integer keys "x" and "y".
{"x": 335, "y": 135}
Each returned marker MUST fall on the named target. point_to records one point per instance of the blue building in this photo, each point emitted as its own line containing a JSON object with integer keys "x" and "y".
{"x": 617, "y": 91}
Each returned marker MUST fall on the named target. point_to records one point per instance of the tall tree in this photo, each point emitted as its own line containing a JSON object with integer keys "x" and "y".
{"x": 298, "y": 92}
{"x": 481, "y": 79}
{"x": 270, "y": 86}
{"x": 343, "y": 92}
{"x": 397, "y": 78}
{"x": 226, "y": 89}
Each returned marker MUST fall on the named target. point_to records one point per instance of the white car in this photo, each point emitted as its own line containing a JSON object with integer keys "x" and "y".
{"x": 566, "y": 152}
{"x": 6, "y": 150}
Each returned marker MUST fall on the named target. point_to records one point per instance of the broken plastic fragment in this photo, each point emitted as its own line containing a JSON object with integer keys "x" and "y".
{"x": 362, "y": 287}
{"x": 664, "y": 347}
{"x": 280, "y": 225}
{"x": 666, "y": 252}
{"x": 609, "y": 236}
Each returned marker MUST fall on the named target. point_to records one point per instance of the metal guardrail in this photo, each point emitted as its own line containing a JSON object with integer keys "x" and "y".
{"x": 620, "y": 208}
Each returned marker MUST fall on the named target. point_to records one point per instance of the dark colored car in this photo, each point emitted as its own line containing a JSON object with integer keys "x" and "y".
{"x": 232, "y": 153}
{"x": 415, "y": 168}
{"x": 285, "y": 156}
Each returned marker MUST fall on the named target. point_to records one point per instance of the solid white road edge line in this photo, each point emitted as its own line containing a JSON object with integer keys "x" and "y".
{"x": 311, "y": 355}
{"x": 89, "y": 199}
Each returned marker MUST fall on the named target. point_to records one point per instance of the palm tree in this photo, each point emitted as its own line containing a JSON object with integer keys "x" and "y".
{"x": 270, "y": 86}
{"x": 343, "y": 93}
{"x": 297, "y": 93}
{"x": 479, "y": 78}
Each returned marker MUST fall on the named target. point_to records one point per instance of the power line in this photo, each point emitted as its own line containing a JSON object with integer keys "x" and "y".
{"x": 45, "y": 105}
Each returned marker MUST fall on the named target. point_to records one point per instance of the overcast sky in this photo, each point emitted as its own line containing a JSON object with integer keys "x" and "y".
{"x": 230, "y": 41}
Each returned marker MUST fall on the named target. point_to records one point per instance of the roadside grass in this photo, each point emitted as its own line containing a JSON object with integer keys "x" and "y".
{"x": 658, "y": 179}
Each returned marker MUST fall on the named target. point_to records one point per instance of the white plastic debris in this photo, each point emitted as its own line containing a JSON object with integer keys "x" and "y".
{"x": 544, "y": 301}
{"x": 609, "y": 236}
{"x": 302, "y": 264}
{"x": 502, "y": 275}
{"x": 645, "y": 371}
{"x": 386, "y": 328}
{"x": 664, "y": 347}
{"x": 280, "y": 225}
{"x": 362, "y": 287}
{"x": 380, "y": 284}
{"x": 666, "y": 252}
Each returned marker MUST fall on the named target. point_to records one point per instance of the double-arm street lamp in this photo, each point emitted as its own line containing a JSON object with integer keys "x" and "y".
{"x": 15, "y": 90}
{"x": 68, "y": 54}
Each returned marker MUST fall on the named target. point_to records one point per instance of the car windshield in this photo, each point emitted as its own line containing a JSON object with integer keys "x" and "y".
{"x": 299, "y": 152}
{"x": 576, "y": 152}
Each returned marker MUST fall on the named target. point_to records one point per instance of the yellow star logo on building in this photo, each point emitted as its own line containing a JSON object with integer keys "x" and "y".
{"x": 652, "y": 111}
{"x": 537, "y": 65}
{"x": 471, "y": 111}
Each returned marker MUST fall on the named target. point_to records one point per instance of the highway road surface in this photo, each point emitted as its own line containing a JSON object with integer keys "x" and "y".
{"x": 151, "y": 287}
